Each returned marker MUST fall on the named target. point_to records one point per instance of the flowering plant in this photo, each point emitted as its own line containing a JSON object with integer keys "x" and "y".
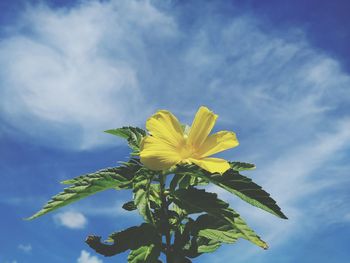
{"x": 167, "y": 173}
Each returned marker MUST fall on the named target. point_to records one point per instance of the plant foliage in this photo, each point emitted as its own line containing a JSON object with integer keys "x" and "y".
{"x": 169, "y": 203}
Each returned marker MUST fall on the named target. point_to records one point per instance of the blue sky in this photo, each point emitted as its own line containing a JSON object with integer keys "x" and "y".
{"x": 276, "y": 72}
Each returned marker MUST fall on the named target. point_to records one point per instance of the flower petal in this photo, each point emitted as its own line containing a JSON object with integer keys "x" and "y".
{"x": 218, "y": 142}
{"x": 212, "y": 165}
{"x": 156, "y": 154}
{"x": 164, "y": 125}
{"x": 202, "y": 125}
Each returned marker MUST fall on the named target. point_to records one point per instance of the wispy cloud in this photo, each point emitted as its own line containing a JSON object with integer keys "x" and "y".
{"x": 108, "y": 210}
{"x": 25, "y": 248}
{"x": 300, "y": 180}
{"x": 85, "y": 257}
{"x": 71, "y": 219}
{"x": 72, "y": 73}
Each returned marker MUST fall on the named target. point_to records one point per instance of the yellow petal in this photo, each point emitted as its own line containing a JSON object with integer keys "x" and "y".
{"x": 202, "y": 125}
{"x": 156, "y": 154}
{"x": 165, "y": 126}
{"x": 217, "y": 142}
{"x": 212, "y": 165}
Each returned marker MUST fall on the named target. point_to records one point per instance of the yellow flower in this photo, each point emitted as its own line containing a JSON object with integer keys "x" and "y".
{"x": 168, "y": 144}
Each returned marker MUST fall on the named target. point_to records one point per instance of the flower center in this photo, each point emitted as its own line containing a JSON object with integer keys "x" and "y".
{"x": 187, "y": 150}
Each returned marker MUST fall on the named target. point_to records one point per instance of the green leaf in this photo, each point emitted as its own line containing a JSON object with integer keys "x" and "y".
{"x": 208, "y": 234}
{"x": 144, "y": 254}
{"x": 134, "y": 136}
{"x": 125, "y": 170}
{"x": 201, "y": 245}
{"x": 240, "y": 166}
{"x": 215, "y": 229}
{"x": 207, "y": 221}
{"x": 86, "y": 185}
{"x": 142, "y": 196}
{"x": 247, "y": 190}
{"x": 197, "y": 245}
{"x": 129, "y": 206}
{"x": 179, "y": 211}
{"x": 175, "y": 181}
{"x": 182, "y": 234}
{"x": 131, "y": 238}
{"x": 241, "y": 186}
{"x": 185, "y": 181}
{"x": 135, "y": 237}
{"x": 219, "y": 235}
{"x": 154, "y": 196}
{"x": 141, "y": 200}
{"x": 207, "y": 246}
{"x": 198, "y": 201}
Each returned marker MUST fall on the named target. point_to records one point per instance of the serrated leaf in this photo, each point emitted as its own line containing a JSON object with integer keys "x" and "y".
{"x": 154, "y": 196}
{"x": 134, "y": 237}
{"x": 215, "y": 229}
{"x": 200, "y": 245}
{"x": 131, "y": 238}
{"x": 240, "y": 166}
{"x": 142, "y": 192}
{"x": 185, "y": 181}
{"x": 129, "y": 206}
{"x": 207, "y": 221}
{"x": 198, "y": 201}
{"x": 141, "y": 199}
{"x": 247, "y": 190}
{"x": 126, "y": 170}
{"x": 208, "y": 234}
{"x": 219, "y": 235}
{"x": 207, "y": 246}
{"x": 241, "y": 186}
{"x": 178, "y": 210}
{"x": 86, "y": 185}
{"x": 134, "y": 136}
{"x": 144, "y": 254}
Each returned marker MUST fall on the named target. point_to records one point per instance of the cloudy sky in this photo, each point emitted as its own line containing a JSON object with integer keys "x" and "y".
{"x": 276, "y": 72}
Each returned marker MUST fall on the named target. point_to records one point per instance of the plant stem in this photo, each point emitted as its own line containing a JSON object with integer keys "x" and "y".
{"x": 166, "y": 219}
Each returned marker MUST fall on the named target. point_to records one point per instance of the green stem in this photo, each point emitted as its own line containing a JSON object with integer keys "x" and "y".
{"x": 165, "y": 215}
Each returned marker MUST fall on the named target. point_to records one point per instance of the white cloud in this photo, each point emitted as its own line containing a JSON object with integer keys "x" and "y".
{"x": 25, "y": 248}
{"x": 286, "y": 100}
{"x": 85, "y": 257}
{"x": 347, "y": 217}
{"x": 72, "y": 74}
{"x": 71, "y": 219}
{"x": 303, "y": 181}
{"x": 111, "y": 210}
{"x": 296, "y": 179}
